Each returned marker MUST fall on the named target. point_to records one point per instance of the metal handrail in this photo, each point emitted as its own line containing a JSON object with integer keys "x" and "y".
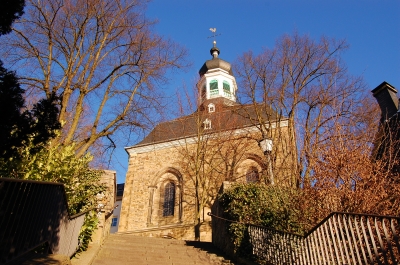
{"x": 358, "y": 214}
{"x": 340, "y": 238}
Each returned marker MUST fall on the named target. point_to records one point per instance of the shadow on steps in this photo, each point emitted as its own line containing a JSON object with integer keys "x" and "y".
{"x": 212, "y": 250}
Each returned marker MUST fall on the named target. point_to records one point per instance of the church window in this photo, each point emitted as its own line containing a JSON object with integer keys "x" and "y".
{"x": 207, "y": 124}
{"x": 226, "y": 86}
{"x": 214, "y": 87}
{"x": 227, "y": 89}
{"x": 169, "y": 199}
{"x": 211, "y": 107}
{"x": 252, "y": 175}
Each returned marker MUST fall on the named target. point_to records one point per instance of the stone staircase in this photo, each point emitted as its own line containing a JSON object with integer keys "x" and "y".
{"x": 121, "y": 249}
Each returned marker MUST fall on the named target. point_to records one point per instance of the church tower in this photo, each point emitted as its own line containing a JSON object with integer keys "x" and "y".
{"x": 217, "y": 84}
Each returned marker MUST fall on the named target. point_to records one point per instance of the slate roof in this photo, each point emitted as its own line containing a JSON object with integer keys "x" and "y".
{"x": 214, "y": 64}
{"x": 224, "y": 118}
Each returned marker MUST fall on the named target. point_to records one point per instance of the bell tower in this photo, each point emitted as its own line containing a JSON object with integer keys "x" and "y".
{"x": 217, "y": 82}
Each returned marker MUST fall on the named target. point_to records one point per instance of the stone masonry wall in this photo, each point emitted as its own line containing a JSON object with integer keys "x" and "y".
{"x": 146, "y": 176}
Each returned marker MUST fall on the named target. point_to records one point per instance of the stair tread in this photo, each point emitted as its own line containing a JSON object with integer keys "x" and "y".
{"x": 124, "y": 249}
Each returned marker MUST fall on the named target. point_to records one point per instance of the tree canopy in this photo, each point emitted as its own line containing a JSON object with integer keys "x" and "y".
{"x": 18, "y": 126}
{"x": 306, "y": 81}
{"x": 9, "y": 12}
{"x": 101, "y": 57}
{"x": 333, "y": 121}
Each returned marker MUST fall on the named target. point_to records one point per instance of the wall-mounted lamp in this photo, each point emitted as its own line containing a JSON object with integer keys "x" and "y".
{"x": 266, "y": 146}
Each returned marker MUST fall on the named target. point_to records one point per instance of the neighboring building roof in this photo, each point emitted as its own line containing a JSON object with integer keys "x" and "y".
{"x": 224, "y": 118}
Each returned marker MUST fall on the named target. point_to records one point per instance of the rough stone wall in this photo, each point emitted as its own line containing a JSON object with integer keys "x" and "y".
{"x": 142, "y": 200}
{"x": 109, "y": 179}
{"x": 145, "y": 180}
{"x": 106, "y": 201}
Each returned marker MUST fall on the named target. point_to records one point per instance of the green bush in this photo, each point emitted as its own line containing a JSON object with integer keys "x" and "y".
{"x": 270, "y": 206}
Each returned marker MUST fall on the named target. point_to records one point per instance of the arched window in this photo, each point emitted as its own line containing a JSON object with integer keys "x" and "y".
{"x": 169, "y": 199}
{"x": 214, "y": 87}
{"x": 252, "y": 175}
{"x": 207, "y": 124}
{"x": 211, "y": 107}
{"x": 226, "y": 87}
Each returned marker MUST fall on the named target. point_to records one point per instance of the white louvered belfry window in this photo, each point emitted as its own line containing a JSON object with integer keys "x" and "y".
{"x": 226, "y": 86}
{"x": 227, "y": 89}
{"x": 214, "y": 87}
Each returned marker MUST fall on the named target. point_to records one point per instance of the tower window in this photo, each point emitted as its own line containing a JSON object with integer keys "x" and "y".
{"x": 207, "y": 124}
{"x": 211, "y": 107}
{"x": 169, "y": 199}
{"x": 214, "y": 87}
{"x": 226, "y": 87}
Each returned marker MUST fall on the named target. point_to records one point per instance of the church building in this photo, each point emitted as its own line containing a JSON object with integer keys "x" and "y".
{"x": 175, "y": 172}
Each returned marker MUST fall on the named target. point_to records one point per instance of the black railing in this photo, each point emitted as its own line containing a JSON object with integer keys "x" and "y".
{"x": 341, "y": 238}
{"x": 33, "y": 213}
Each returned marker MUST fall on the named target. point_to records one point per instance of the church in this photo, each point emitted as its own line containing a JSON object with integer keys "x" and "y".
{"x": 174, "y": 174}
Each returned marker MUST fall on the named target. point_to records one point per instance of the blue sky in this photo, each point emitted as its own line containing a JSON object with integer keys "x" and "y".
{"x": 370, "y": 27}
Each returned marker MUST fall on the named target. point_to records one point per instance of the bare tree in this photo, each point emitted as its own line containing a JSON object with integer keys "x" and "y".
{"x": 211, "y": 154}
{"x": 333, "y": 125}
{"x": 347, "y": 179}
{"x": 305, "y": 82}
{"x": 100, "y": 56}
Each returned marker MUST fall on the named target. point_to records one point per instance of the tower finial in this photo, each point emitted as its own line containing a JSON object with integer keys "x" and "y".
{"x": 214, "y": 30}
{"x": 214, "y": 50}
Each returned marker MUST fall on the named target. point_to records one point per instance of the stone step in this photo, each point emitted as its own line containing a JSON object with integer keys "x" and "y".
{"x": 124, "y": 249}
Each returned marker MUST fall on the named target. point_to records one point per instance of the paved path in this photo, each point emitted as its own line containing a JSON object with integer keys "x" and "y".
{"x": 124, "y": 249}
